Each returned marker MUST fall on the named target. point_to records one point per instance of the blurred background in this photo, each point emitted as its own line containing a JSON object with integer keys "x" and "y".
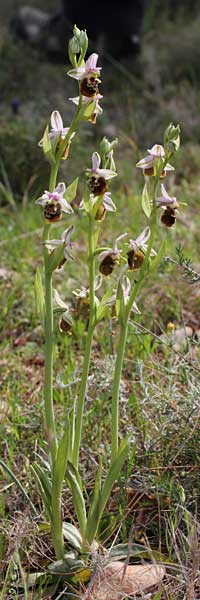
{"x": 150, "y": 53}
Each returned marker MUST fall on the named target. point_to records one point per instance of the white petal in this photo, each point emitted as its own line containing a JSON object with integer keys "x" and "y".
{"x": 76, "y": 100}
{"x": 164, "y": 192}
{"x": 91, "y": 63}
{"x": 77, "y": 73}
{"x": 56, "y": 121}
{"x": 157, "y": 150}
{"x": 143, "y": 237}
{"x": 66, "y": 206}
{"x": 96, "y": 160}
{"x": 146, "y": 163}
{"x": 106, "y": 173}
{"x": 59, "y": 300}
{"x": 61, "y": 188}
{"x": 66, "y": 235}
{"x": 64, "y": 132}
{"x": 168, "y": 167}
{"x": 41, "y": 201}
{"x": 108, "y": 203}
{"x": 135, "y": 309}
{"x": 53, "y": 243}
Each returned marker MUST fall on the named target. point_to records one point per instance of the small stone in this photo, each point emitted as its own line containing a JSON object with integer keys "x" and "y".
{"x": 116, "y": 581}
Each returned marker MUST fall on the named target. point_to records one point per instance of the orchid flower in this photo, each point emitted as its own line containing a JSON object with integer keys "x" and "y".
{"x": 106, "y": 205}
{"x": 88, "y": 69}
{"x": 109, "y": 258}
{"x": 137, "y": 250}
{"x": 54, "y": 203}
{"x": 97, "y": 109}
{"x": 126, "y": 289}
{"x": 141, "y": 240}
{"x": 65, "y": 241}
{"x": 165, "y": 200}
{"x": 57, "y": 129}
{"x": 83, "y": 292}
{"x": 148, "y": 162}
{"x": 95, "y": 171}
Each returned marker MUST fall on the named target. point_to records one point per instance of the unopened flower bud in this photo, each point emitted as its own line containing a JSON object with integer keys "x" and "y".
{"x": 74, "y": 46}
{"x": 172, "y": 137}
{"x": 76, "y": 32}
{"x": 83, "y": 41}
{"x": 104, "y": 146}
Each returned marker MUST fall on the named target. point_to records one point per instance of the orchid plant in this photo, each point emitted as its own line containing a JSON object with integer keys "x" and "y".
{"x": 135, "y": 255}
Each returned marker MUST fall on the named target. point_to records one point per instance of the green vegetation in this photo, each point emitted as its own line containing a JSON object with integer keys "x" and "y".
{"x": 156, "y": 498}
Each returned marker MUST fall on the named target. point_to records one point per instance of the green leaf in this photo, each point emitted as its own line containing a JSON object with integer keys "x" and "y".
{"x": 8, "y": 196}
{"x": 44, "y": 485}
{"x": 74, "y": 481}
{"x": 72, "y": 535}
{"x": 95, "y": 499}
{"x": 112, "y": 475}
{"x": 68, "y": 566}
{"x": 71, "y": 190}
{"x": 60, "y": 464}
{"x": 137, "y": 550}
{"x": 39, "y": 296}
{"x": 87, "y": 109}
{"x": 46, "y": 145}
{"x": 146, "y": 202}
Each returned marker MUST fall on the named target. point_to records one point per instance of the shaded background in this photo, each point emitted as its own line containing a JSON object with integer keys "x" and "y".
{"x": 142, "y": 93}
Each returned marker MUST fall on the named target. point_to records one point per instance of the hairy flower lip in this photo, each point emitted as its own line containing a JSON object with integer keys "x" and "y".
{"x": 90, "y": 68}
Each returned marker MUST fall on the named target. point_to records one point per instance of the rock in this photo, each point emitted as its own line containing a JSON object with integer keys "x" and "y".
{"x": 116, "y": 580}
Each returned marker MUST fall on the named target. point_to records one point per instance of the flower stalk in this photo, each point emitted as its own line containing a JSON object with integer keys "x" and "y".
{"x": 123, "y": 333}
{"x": 86, "y": 362}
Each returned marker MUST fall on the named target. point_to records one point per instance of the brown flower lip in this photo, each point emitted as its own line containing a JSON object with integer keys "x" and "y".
{"x": 108, "y": 263}
{"x": 168, "y": 217}
{"x": 53, "y": 212}
{"x": 65, "y": 326}
{"x": 98, "y": 185}
{"x": 135, "y": 259}
{"x": 89, "y": 86}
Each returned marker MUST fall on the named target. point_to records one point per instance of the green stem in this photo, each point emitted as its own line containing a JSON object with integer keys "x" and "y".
{"x": 123, "y": 334}
{"x": 56, "y": 522}
{"x": 53, "y": 176}
{"x": 116, "y": 386}
{"x": 48, "y": 376}
{"x": 86, "y": 362}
